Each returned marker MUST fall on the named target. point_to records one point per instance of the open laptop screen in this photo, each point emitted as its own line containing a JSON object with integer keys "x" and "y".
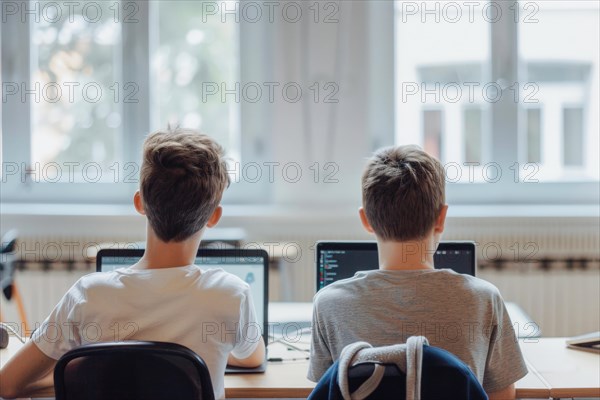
{"x": 341, "y": 260}
{"x": 251, "y": 266}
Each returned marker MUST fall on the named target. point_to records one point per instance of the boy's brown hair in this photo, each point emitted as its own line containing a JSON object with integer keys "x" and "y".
{"x": 403, "y": 193}
{"x": 182, "y": 180}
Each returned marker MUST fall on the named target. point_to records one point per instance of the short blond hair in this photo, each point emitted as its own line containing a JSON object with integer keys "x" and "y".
{"x": 403, "y": 192}
{"x": 182, "y": 180}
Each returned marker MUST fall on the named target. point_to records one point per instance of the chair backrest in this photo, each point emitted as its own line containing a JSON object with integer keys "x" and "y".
{"x": 443, "y": 376}
{"x": 132, "y": 370}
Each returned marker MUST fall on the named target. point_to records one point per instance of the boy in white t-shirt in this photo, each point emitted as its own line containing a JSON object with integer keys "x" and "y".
{"x": 163, "y": 297}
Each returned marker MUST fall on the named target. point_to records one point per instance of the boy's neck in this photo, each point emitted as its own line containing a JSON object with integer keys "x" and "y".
{"x": 406, "y": 256}
{"x": 159, "y": 254}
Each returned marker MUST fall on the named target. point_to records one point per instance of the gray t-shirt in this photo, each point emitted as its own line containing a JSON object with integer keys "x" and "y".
{"x": 459, "y": 313}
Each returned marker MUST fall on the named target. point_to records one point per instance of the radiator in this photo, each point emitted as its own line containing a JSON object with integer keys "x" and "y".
{"x": 40, "y": 291}
{"x": 562, "y": 303}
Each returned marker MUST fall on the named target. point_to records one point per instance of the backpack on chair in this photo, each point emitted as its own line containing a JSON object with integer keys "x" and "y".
{"x": 411, "y": 371}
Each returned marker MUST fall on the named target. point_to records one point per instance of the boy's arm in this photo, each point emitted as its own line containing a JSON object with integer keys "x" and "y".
{"x": 27, "y": 372}
{"x": 250, "y": 347}
{"x": 254, "y": 360}
{"x": 320, "y": 355}
{"x": 508, "y": 393}
{"x": 505, "y": 364}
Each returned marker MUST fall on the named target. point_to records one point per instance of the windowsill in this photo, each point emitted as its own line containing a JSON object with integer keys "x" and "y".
{"x": 302, "y": 213}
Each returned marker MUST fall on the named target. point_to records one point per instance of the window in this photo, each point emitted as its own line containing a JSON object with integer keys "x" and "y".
{"x": 518, "y": 96}
{"x": 563, "y": 64}
{"x": 75, "y": 87}
{"x": 84, "y": 82}
{"x": 451, "y": 78}
{"x": 195, "y": 62}
{"x": 498, "y": 101}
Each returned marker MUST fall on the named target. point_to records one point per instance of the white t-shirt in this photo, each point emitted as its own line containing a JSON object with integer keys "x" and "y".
{"x": 209, "y": 311}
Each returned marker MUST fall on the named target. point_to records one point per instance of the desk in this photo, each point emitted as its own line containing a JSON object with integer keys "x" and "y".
{"x": 567, "y": 372}
{"x": 288, "y": 380}
{"x": 554, "y": 371}
{"x": 283, "y": 379}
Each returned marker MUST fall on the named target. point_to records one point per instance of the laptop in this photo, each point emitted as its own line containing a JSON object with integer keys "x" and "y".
{"x": 342, "y": 260}
{"x": 252, "y": 266}
{"x": 588, "y": 342}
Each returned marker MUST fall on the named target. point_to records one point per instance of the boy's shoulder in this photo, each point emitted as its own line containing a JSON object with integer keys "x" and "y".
{"x": 336, "y": 288}
{"x": 440, "y": 281}
{"x": 126, "y": 278}
{"x": 345, "y": 291}
{"x": 480, "y": 287}
{"x": 226, "y": 280}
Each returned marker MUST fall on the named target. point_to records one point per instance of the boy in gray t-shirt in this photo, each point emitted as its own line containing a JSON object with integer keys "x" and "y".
{"x": 404, "y": 206}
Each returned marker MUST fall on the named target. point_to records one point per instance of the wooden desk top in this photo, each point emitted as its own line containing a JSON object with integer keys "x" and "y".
{"x": 289, "y": 380}
{"x": 532, "y": 386}
{"x": 282, "y": 379}
{"x": 555, "y": 371}
{"x": 567, "y": 372}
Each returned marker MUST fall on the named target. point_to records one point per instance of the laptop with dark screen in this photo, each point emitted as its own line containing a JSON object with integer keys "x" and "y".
{"x": 342, "y": 259}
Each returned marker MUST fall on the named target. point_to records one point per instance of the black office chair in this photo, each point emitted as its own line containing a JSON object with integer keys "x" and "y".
{"x": 132, "y": 370}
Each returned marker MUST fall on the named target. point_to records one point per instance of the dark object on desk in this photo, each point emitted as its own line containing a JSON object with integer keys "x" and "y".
{"x": 443, "y": 376}
{"x": 3, "y": 337}
{"x": 132, "y": 370}
{"x": 588, "y": 342}
{"x": 7, "y": 262}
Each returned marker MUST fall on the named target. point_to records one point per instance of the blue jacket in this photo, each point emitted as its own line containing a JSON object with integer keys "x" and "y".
{"x": 444, "y": 376}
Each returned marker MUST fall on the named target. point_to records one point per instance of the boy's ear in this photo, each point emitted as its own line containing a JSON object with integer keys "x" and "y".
{"x": 364, "y": 220}
{"x": 441, "y": 220}
{"x": 138, "y": 204}
{"x": 215, "y": 217}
